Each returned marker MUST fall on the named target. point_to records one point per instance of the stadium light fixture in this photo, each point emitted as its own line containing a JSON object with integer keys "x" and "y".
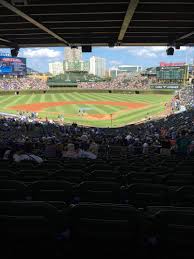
{"x": 14, "y": 52}
{"x": 87, "y": 48}
{"x": 111, "y": 45}
{"x": 177, "y": 46}
{"x": 170, "y": 51}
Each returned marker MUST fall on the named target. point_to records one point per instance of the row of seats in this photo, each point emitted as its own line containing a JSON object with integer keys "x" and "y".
{"x": 119, "y": 176}
{"x": 140, "y": 195}
{"x": 139, "y": 162}
{"x": 39, "y": 228}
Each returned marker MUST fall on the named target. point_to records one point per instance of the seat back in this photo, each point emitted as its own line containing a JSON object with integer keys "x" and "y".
{"x": 70, "y": 175}
{"x": 95, "y": 191}
{"x": 6, "y": 174}
{"x": 12, "y": 190}
{"x": 109, "y": 223}
{"x": 104, "y": 175}
{"x": 32, "y": 175}
{"x": 52, "y": 191}
{"x": 142, "y": 195}
{"x": 28, "y": 227}
{"x": 184, "y": 196}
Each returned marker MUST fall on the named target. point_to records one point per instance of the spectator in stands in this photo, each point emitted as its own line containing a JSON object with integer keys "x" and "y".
{"x": 191, "y": 148}
{"x": 7, "y": 154}
{"x": 183, "y": 143}
{"x": 71, "y": 152}
{"x": 165, "y": 146}
{"x": 25, "y": 153}
{"x": 123, "y": 81}
{"x": 93, "y": 148}
{"x": 22, "y": 83}
{"x": 145, "y": 148}
{"x": 186, "y": 97}
{"x": 85, "y": 153}
{"x": 50, "y": 149}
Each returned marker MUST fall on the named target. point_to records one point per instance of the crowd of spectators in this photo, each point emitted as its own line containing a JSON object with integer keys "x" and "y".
{"x": 36, "y": 141}
{"x": 186, "y": 96}
{"x": 22, "y": 83}
{"x": 123, "y": 81}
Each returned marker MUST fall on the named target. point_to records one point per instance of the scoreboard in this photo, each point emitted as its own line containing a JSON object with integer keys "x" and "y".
{"x": 12, "y": 66}
{"x": 172, "y": 72}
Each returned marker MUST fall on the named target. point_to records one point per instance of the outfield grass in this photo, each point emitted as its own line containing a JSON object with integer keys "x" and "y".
{"x": 154, "y": 105}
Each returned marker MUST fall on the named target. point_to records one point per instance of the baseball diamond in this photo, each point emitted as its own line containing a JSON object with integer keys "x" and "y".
{"x": 97, "y": 108}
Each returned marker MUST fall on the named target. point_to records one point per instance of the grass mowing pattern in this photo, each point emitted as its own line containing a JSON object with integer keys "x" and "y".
{"x": 124, "y": 116}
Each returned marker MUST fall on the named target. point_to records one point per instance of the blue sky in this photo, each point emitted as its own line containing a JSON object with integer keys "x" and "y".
{"x": 38, "y": 58}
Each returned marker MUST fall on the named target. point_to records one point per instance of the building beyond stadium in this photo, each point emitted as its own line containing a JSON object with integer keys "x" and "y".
{"x": 114, "y": 72}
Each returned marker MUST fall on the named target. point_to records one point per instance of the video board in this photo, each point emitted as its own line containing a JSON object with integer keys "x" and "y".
{"x": 12, "y": 66}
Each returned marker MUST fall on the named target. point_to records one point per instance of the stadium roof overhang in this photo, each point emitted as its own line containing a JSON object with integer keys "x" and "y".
{"x": 33, "y": 23}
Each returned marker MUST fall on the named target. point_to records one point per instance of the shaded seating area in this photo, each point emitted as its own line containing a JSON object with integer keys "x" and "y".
{"x": 121, "y": 208}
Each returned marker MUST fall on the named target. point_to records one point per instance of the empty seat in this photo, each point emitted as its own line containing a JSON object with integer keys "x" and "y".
{"x": 70, "y": 175}
{"x": 180, "y": 179}
{"x": 184, "y": 196}
{"x": 104, "y": 175}
{"x": 185, "y": 168}
{"x": 175, "y": 228}
{"x": 28, "y": 228}
{"x": 6, "y": 174}
{"x": 51, "y": 167}
{"x": 12, "y": 190}
{"x": 140, "y": 177}
{"x": 99, "y": 167}
{"x": 52, "y": 191}
{"x": 25, "y": 165}
{"x": 105, "y": 227}
{"x": 74, "y": 165}
{"x": 92, "y": 191}
{"x": 32, "y": 175}
{"x": 152, "y": 210}
{"x": 5, "y": 164}
{"x": 142, "y": 195}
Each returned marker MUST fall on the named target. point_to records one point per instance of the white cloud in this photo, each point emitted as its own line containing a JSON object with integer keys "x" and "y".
{"x": 142, "y": 52}
{"x": 115, "y": 62}
{"x": 146, "y": 53}
{"x": 41, "y": 52}
{"x": 157, "y": 48}
{"x": 163, "y": 48}
{"x": 151, "y": 52}
{"x": 120, "y": 48}
{"x": 183, "y": 48}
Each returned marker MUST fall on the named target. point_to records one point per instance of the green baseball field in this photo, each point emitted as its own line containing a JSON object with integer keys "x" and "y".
{"x": 90, "y": 109}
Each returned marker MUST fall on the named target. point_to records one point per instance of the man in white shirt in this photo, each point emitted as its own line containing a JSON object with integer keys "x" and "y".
{"x": 31, "y": 157}
{"x": 145, "y": 148}
{"x": 25, "y": 153}
{"x": 87, "y": 154}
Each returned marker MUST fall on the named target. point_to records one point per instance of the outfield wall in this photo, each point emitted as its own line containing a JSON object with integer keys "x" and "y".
{"x": 70, "y": 90}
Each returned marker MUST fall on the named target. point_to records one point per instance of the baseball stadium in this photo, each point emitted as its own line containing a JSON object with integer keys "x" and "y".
{"x": 96, "y": 161}
{"x": 88, "y": 100}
